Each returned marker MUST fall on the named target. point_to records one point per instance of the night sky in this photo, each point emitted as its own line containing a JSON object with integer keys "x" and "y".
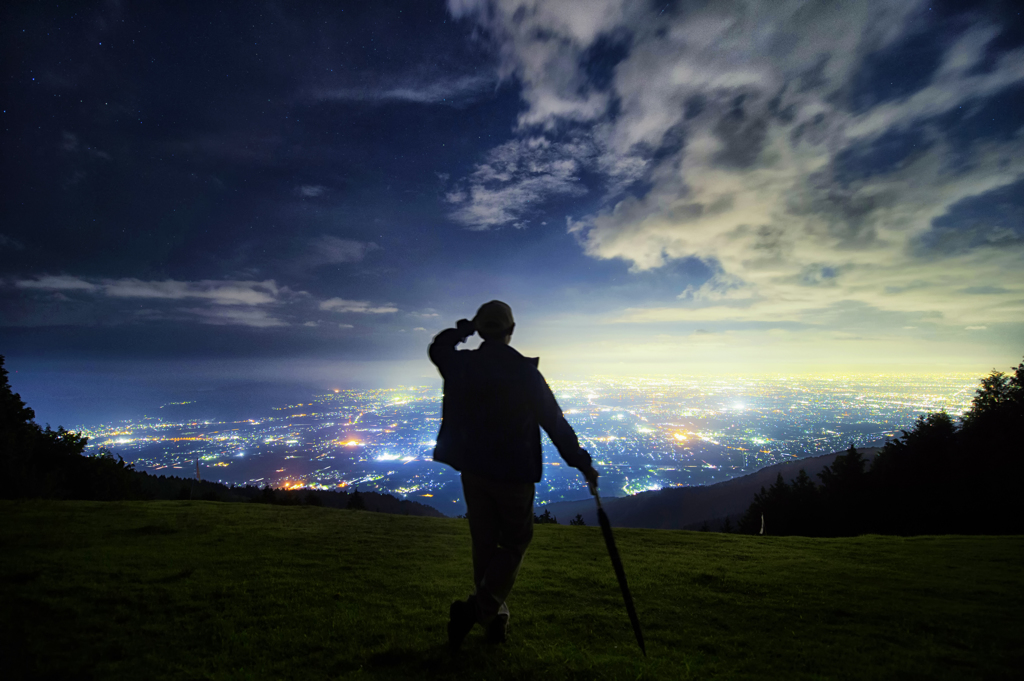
{"x": 196, "y": 194}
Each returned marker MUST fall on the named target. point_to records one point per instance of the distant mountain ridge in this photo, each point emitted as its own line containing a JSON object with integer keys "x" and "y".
{"x": 686, "y": 508}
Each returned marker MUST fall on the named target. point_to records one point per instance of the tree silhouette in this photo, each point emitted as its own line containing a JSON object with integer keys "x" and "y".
{"x": 936, "y": 478}
{"x": 803, "y": 515}
{"x": 998, "y": 395}
{"x": 545, "y": 518}
{"x": 356, "y": 502}
{"x": 47, "y": 463}
{"x": 989, "y": 445}
{"x": 15, "y": 415}
{"x": 578, "y": 520}
{"x": 910, "y": 476}
{"x": 843, "y": 493}
{"x": 268, "y": 495}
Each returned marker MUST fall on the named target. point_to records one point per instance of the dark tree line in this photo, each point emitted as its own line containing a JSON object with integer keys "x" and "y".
{"x": 545, "y": 518}
{"x": 41, "y": 462}
{"x": 939, "y": 478}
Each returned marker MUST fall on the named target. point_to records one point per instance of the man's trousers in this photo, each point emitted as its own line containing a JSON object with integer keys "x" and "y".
{"x": 501, "y": 526}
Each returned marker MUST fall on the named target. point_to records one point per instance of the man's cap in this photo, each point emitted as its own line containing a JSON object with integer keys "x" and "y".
{"x": 493, "y": 317}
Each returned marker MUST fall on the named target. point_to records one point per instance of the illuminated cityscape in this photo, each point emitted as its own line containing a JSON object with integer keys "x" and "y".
{"x": 643, "y": 433}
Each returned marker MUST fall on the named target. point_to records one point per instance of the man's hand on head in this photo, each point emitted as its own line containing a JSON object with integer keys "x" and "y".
{"x": 465, "y": 327}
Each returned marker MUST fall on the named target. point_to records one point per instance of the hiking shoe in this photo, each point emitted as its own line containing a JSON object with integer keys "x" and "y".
{"x": 461, "y": 618}
{"x": 497, "y": 629}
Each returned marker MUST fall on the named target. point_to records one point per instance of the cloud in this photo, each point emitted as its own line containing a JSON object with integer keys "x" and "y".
{"x": 216, "y": 291}
{"x": 360, "y": 306}
{"x": 330, "y": 250}
{"x": 957, "y": 81}
{"x": 542, "y": 44}
{"x": 228, "y": 302}
{"x": 729, "y": 133}
{"x": 13, "y": 244}
{"x": 720, "y": 287}
{"x": 514, "y": 178}
{"x": 234, "y": 316}
{"x": 70, "y": 143}
{"x": 448, "y": 91}
{"x": 57, "y": 283}
{"x": 310, "y": 190}
{"x": 984, "y": 290}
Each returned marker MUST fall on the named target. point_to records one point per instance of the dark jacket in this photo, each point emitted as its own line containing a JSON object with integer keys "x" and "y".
{"x": 495, "y": 402}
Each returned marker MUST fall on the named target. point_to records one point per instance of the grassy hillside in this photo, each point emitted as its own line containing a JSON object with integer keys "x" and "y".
{"x": 201, "y": 590}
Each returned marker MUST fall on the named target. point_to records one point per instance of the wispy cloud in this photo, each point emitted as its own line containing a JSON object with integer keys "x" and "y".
{"x": 72, "y": 145}
{"x": 326, "y": 250}
{"x": 332, "y": 250}
{"x": 57, "y": 283}
{"x": 10, "y": 243}
{"x": 253, "y": 317}
{"x": 359, "y": 306}
{"x": 448, "y": 91}
{"x": 242, "y": 303}
{"x": 514, "y": 178}
{"x": 310, "y": 191}
{"x": 215, "y": 291}
{"x": 246, "y": 303}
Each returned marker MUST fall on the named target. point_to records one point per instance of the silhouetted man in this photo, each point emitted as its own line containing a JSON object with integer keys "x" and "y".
{"x": 495, "y": 402}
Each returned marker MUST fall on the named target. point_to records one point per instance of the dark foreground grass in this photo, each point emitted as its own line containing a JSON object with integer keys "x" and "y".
{"x": 241, "y": 591}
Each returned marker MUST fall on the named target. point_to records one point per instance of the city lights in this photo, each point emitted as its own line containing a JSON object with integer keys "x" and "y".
{"x": 643, "y": 433}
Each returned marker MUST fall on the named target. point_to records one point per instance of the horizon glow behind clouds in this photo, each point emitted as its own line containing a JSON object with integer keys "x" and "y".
{"x": 309, "y": 194}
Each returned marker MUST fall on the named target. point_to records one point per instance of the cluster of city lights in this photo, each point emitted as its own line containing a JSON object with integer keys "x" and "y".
{"x": 644, "y": 433}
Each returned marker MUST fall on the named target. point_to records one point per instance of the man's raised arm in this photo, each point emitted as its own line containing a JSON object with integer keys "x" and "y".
{"x": 442, "y": 348}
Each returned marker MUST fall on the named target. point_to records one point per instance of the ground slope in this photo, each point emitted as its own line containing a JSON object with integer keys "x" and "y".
{"x": 679, "y": 508}
{"x": 202, "y": 589}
